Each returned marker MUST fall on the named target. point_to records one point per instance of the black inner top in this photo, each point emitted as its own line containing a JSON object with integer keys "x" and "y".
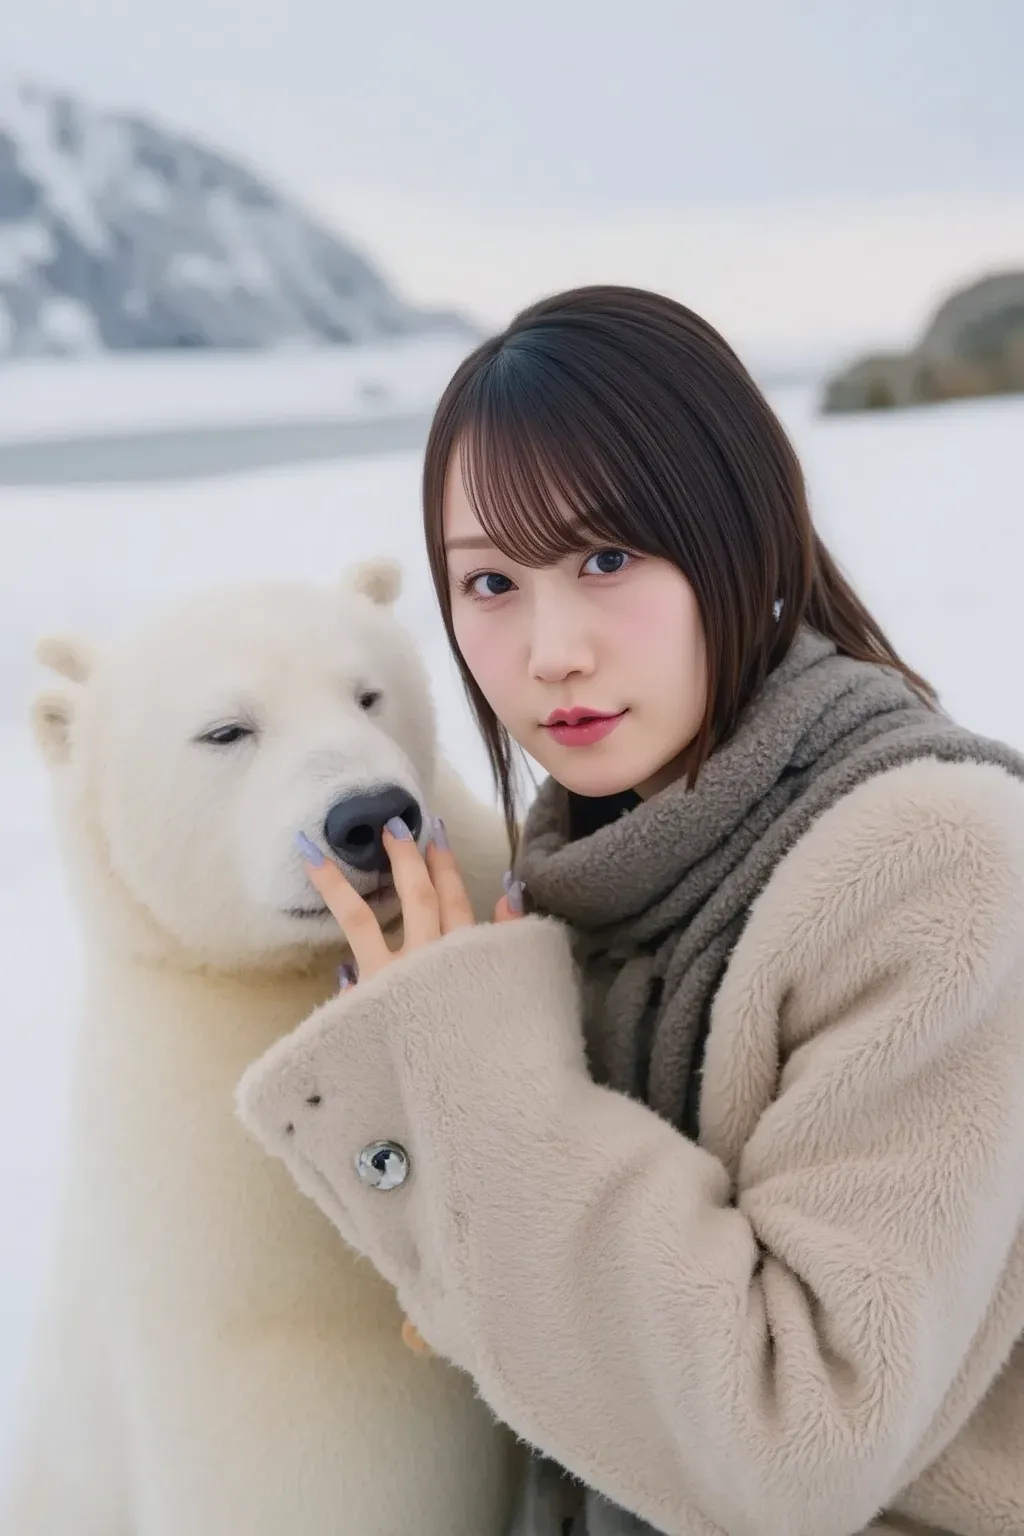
{"x": 589, "y": 813}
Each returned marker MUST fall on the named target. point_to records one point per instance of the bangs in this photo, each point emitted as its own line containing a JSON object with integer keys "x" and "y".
{"x": 615, "y": 417}
{"x": 540, "y": 467}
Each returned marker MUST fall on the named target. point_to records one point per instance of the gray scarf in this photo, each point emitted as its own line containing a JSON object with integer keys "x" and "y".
{"x": 658, "y": 899}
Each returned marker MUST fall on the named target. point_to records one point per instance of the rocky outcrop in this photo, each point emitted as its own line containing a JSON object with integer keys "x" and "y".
{"x": 973, "y": 346}
{"x": 119, "y": 234}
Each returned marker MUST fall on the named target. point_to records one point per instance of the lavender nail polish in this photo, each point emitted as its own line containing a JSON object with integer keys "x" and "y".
{"x": 440, "y": 835}
{"x": 346, "y": 976}
{"x": 309, "y": 850}
{"x": 398, "y": 829}
{"x": 513, "y": 892}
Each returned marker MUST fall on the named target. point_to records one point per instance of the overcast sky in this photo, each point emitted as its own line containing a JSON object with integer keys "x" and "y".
{"x": 515, "y": 117}
{"x": 547, "y": 101}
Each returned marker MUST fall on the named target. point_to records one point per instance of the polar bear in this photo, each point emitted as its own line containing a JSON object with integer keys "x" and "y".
{"x": 213, "y": 1361}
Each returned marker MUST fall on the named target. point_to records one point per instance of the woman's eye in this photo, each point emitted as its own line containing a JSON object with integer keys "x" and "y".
{"x": 490, "y": 584}
{"x": 607, "y": 562}
{"x": 226, "y": 735}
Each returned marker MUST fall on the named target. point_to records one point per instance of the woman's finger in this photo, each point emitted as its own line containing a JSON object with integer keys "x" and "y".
{"x": 510, "y": 906}
{"x": 453, "y": 903}
{"x": 421, "y": 921}
{"x": 353, "y": 915}
{"x": 414, "y": 1340}
{"x": 503, "y": 913}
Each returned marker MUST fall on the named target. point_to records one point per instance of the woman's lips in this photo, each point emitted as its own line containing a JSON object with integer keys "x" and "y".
{"x": 576, "y": 728}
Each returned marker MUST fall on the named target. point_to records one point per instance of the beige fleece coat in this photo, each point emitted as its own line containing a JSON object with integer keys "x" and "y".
{"x": 813, "y": 1320}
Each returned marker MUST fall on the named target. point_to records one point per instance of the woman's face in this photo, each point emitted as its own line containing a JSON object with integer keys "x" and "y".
{"x": 612, "y": 643}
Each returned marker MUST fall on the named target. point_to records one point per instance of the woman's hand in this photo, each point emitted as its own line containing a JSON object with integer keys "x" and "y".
{"x": 434, "y": 902}
{"x": 433, "y": 897}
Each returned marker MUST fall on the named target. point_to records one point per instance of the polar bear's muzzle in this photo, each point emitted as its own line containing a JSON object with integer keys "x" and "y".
{"x": 354, "y": 825}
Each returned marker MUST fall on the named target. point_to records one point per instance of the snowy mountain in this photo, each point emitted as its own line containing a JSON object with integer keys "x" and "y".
{"x": 118, "y": 234}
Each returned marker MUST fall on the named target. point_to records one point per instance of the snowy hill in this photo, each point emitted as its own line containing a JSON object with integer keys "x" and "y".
{"x": 117, "y": 234}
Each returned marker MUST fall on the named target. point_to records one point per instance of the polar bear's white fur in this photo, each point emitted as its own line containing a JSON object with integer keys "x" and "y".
{"x": 213, "y": 1361}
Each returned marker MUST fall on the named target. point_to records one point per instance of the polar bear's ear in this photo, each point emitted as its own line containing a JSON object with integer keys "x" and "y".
{"x": 52, "y": 715}
{"x": 379, "y": 580}
{"x": 71, "y": 657}
{"x": 53, "y": 711}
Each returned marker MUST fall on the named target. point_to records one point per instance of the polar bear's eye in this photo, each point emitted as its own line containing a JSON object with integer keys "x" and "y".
{"x": 225, "y": 735}
{"x": 370, "y": 698}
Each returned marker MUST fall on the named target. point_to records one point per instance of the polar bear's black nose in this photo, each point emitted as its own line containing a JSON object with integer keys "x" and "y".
{"x": 354, "y": 825}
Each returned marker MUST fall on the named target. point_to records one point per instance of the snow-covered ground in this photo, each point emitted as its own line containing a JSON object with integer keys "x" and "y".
{"x": 124, "y": 392}
{"x": 924, "y": 509}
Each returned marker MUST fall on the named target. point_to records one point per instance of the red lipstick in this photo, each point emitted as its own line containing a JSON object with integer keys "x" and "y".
{"x": 580, "y": 727}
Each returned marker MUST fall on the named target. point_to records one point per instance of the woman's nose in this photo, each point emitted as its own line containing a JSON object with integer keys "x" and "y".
{"x": 560, "y": 642}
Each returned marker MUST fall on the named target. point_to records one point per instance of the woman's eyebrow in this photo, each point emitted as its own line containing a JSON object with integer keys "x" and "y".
{"x": 470, "y": 541}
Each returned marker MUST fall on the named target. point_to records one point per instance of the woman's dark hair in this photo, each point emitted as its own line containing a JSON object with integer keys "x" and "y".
{"x": 616, "y": 415}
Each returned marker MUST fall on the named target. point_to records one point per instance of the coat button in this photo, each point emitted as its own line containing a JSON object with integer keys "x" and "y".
{"x": 383, "y": 1165}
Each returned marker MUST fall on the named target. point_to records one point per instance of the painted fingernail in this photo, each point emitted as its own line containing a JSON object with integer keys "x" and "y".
{"x": 346, "y": 976}
{"x": 513, "y": 892}
{"x": 441, "y": 835}
{"x": 398, "y": 829}
{"x": 309, "y": 850}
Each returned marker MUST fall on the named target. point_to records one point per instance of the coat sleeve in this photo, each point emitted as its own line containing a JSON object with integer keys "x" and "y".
{"x": 755, "y": 1351}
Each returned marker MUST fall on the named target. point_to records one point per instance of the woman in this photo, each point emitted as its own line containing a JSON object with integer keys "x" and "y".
{"x": 710, "y": 1170}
